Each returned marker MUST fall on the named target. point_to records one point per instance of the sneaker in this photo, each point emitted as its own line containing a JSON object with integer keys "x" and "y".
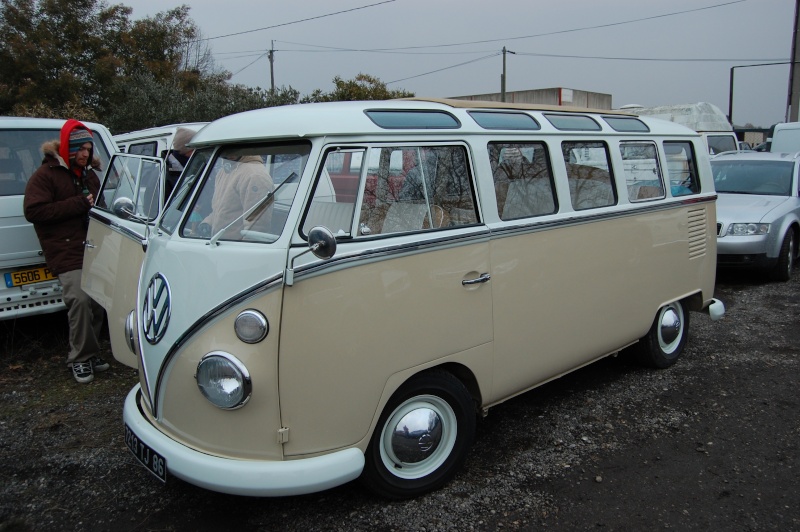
{"x": 98, "y": 364}
{"x": 82, "y": 371}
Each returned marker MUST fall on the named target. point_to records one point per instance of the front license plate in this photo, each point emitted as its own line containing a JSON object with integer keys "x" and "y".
{"x": 32, "y": 275}
{"x": 154, "y": 462}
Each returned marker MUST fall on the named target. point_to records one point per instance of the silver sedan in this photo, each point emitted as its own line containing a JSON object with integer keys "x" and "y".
{"x": 758, "y": 211}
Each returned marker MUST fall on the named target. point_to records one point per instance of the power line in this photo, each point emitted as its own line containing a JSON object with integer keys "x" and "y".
{"x": 445, "y": 68}
{"x": 559, "y": 32}
{"x": 653, "y": 59}
{"x": 296, "y": 21}
{"x": 406, "y": 50}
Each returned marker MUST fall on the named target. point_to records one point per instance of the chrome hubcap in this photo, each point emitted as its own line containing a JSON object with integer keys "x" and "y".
{"x": 418, "y": 437}
{"x": 670, "y": 329}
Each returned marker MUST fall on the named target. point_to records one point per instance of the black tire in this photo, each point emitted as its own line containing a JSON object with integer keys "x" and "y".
{"x": 783, "y": 270}
{"x": 664, "y": 342}
{"x": 400, "y": 465}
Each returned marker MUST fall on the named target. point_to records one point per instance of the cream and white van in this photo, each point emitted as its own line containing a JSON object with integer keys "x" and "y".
{"x": 28, "y": 286}
{"x": 340, "y": 290}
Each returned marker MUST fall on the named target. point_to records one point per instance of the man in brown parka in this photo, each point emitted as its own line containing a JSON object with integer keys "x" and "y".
{"x": 58, "y": 197}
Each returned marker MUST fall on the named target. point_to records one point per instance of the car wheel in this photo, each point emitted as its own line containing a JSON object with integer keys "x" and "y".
{"x": 422, "y": 438}
{"x": 664, "y": 342}
{"x": 783, "y": 270}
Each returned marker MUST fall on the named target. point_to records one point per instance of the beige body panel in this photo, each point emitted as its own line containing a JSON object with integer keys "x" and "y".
{"x": 189, "y": 418}
{"x": 111, "y": 265}
{"x": 566, "y": 296}
{"x": 346, "y": 333}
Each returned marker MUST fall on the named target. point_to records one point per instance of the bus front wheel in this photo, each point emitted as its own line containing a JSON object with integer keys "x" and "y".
{"x": 422, "y": 437}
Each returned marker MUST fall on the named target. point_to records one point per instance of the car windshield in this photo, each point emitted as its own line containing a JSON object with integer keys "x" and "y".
{"x": 245, "y": 195}
{"x": 769, "y": 178}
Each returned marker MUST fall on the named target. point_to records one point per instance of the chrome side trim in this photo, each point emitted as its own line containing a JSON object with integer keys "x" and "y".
{"x": 348, "y": 259}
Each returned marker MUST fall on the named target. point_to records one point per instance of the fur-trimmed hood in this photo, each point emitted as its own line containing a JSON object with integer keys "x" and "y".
{"x": 51, "y": 148}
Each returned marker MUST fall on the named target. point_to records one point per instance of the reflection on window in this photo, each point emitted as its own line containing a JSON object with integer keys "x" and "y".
{"x": 334, "y": 198}
{"x": 21, "y": 154}
{"x": 720, "y": 143}
{"x": 589, "y": 174}
{"x": 137, "y": 180}
{"x": 180, "y": 198}
{"x": 681, "y": 168}
{"x": 642, "y": 171}
{"x": 431, "y": 189}
{"x": 767, "y": 178}
{"x": 523, "y": 180}
{"x": 239, "y": 201}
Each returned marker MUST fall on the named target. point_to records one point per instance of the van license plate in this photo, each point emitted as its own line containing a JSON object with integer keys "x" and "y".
{"x": 33, "y": 275}
{"x": 146, "y": 456}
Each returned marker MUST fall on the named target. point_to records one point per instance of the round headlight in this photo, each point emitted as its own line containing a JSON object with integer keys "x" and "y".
{"x": 223, "y": 380}
{"x": 251, "y": 326}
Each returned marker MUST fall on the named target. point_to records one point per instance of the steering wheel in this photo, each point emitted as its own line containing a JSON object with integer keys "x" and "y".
{"x": 203, "y": 230}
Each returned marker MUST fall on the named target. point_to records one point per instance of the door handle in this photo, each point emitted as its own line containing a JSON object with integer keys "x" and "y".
{"x": 89, "y": 244}
{"x": 485, "y": 277}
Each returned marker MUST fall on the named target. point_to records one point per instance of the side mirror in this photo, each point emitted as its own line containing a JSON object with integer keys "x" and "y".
{"x": 321, "y": 243}
{"x": 124, "y": 208}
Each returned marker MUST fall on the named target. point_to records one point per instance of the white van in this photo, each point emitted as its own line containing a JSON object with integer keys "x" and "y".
{"x": 154, "y": 141}
{"x": 28, "y": 286}
{"x": 339, "y": 290}
{"x": 786, "y": 138}
{"x": 158, "y": 142}
{"x": 703, "y": 117}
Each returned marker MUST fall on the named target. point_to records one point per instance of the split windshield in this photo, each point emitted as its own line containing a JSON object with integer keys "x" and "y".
{"x": 237, "y": 194}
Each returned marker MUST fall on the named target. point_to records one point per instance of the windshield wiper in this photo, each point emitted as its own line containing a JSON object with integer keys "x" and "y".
{"x": 251, "y": 213}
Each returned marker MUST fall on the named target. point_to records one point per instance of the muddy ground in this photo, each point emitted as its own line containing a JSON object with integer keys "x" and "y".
{"x": 710, "y": 444}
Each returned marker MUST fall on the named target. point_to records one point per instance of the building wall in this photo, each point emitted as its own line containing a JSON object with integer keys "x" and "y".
{"x": 554, "y": 96}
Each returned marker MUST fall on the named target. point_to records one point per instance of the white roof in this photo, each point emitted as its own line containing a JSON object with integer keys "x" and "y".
{"x": 350, "y": 118}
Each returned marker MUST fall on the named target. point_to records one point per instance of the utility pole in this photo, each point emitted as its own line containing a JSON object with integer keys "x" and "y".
{"x": 793, "y": 105}
{"x": 272, "y": 65}
{"x": 503, "y": 75}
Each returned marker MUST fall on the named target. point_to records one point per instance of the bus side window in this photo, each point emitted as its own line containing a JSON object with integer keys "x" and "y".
{"x": 589, "y": 174}
{"x": 642, "y": 171}
{"x": 681, "y": 168}
{"x": 523, "y": 180}
{"x": 432, "y": 190}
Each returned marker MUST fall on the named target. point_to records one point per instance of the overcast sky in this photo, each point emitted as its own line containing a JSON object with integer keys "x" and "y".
{"x": 640, "y": 51}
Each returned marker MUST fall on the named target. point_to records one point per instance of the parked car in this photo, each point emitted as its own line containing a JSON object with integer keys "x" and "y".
{"x": 28, "y": 287}
{"x": 758, "y": 211}
{"x": 744, "y": 146}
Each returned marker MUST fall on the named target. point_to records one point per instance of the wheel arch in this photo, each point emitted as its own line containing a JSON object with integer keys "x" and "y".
{"x": 460, "y": 371}
{"x": 776, "y": 242}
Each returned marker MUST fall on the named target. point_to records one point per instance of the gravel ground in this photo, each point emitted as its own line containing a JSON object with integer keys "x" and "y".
{"x": 709, "y": 444}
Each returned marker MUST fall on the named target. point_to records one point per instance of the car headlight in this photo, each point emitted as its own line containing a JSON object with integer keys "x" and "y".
{"x": 223, "y": 380}
{"x": 748, "y": 229}
{"x": 130, "y": 331}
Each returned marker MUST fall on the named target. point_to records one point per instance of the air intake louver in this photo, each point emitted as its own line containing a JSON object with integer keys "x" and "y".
{"x": 697, "y": 233}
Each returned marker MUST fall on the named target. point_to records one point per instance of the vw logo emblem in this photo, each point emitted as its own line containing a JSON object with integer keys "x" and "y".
{"x": 156, "y": 309}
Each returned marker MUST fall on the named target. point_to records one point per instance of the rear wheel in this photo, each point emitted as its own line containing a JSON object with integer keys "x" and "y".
{"x": 422, "y": 438}
{"x": 663, "y": 344}
{"x": 783, "y": 270}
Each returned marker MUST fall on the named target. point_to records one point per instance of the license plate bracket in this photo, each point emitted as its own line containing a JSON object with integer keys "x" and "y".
{"x": 145, "y": 455}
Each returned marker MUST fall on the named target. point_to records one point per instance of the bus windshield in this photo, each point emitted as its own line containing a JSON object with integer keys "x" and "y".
{"x": 245, "y": 195}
